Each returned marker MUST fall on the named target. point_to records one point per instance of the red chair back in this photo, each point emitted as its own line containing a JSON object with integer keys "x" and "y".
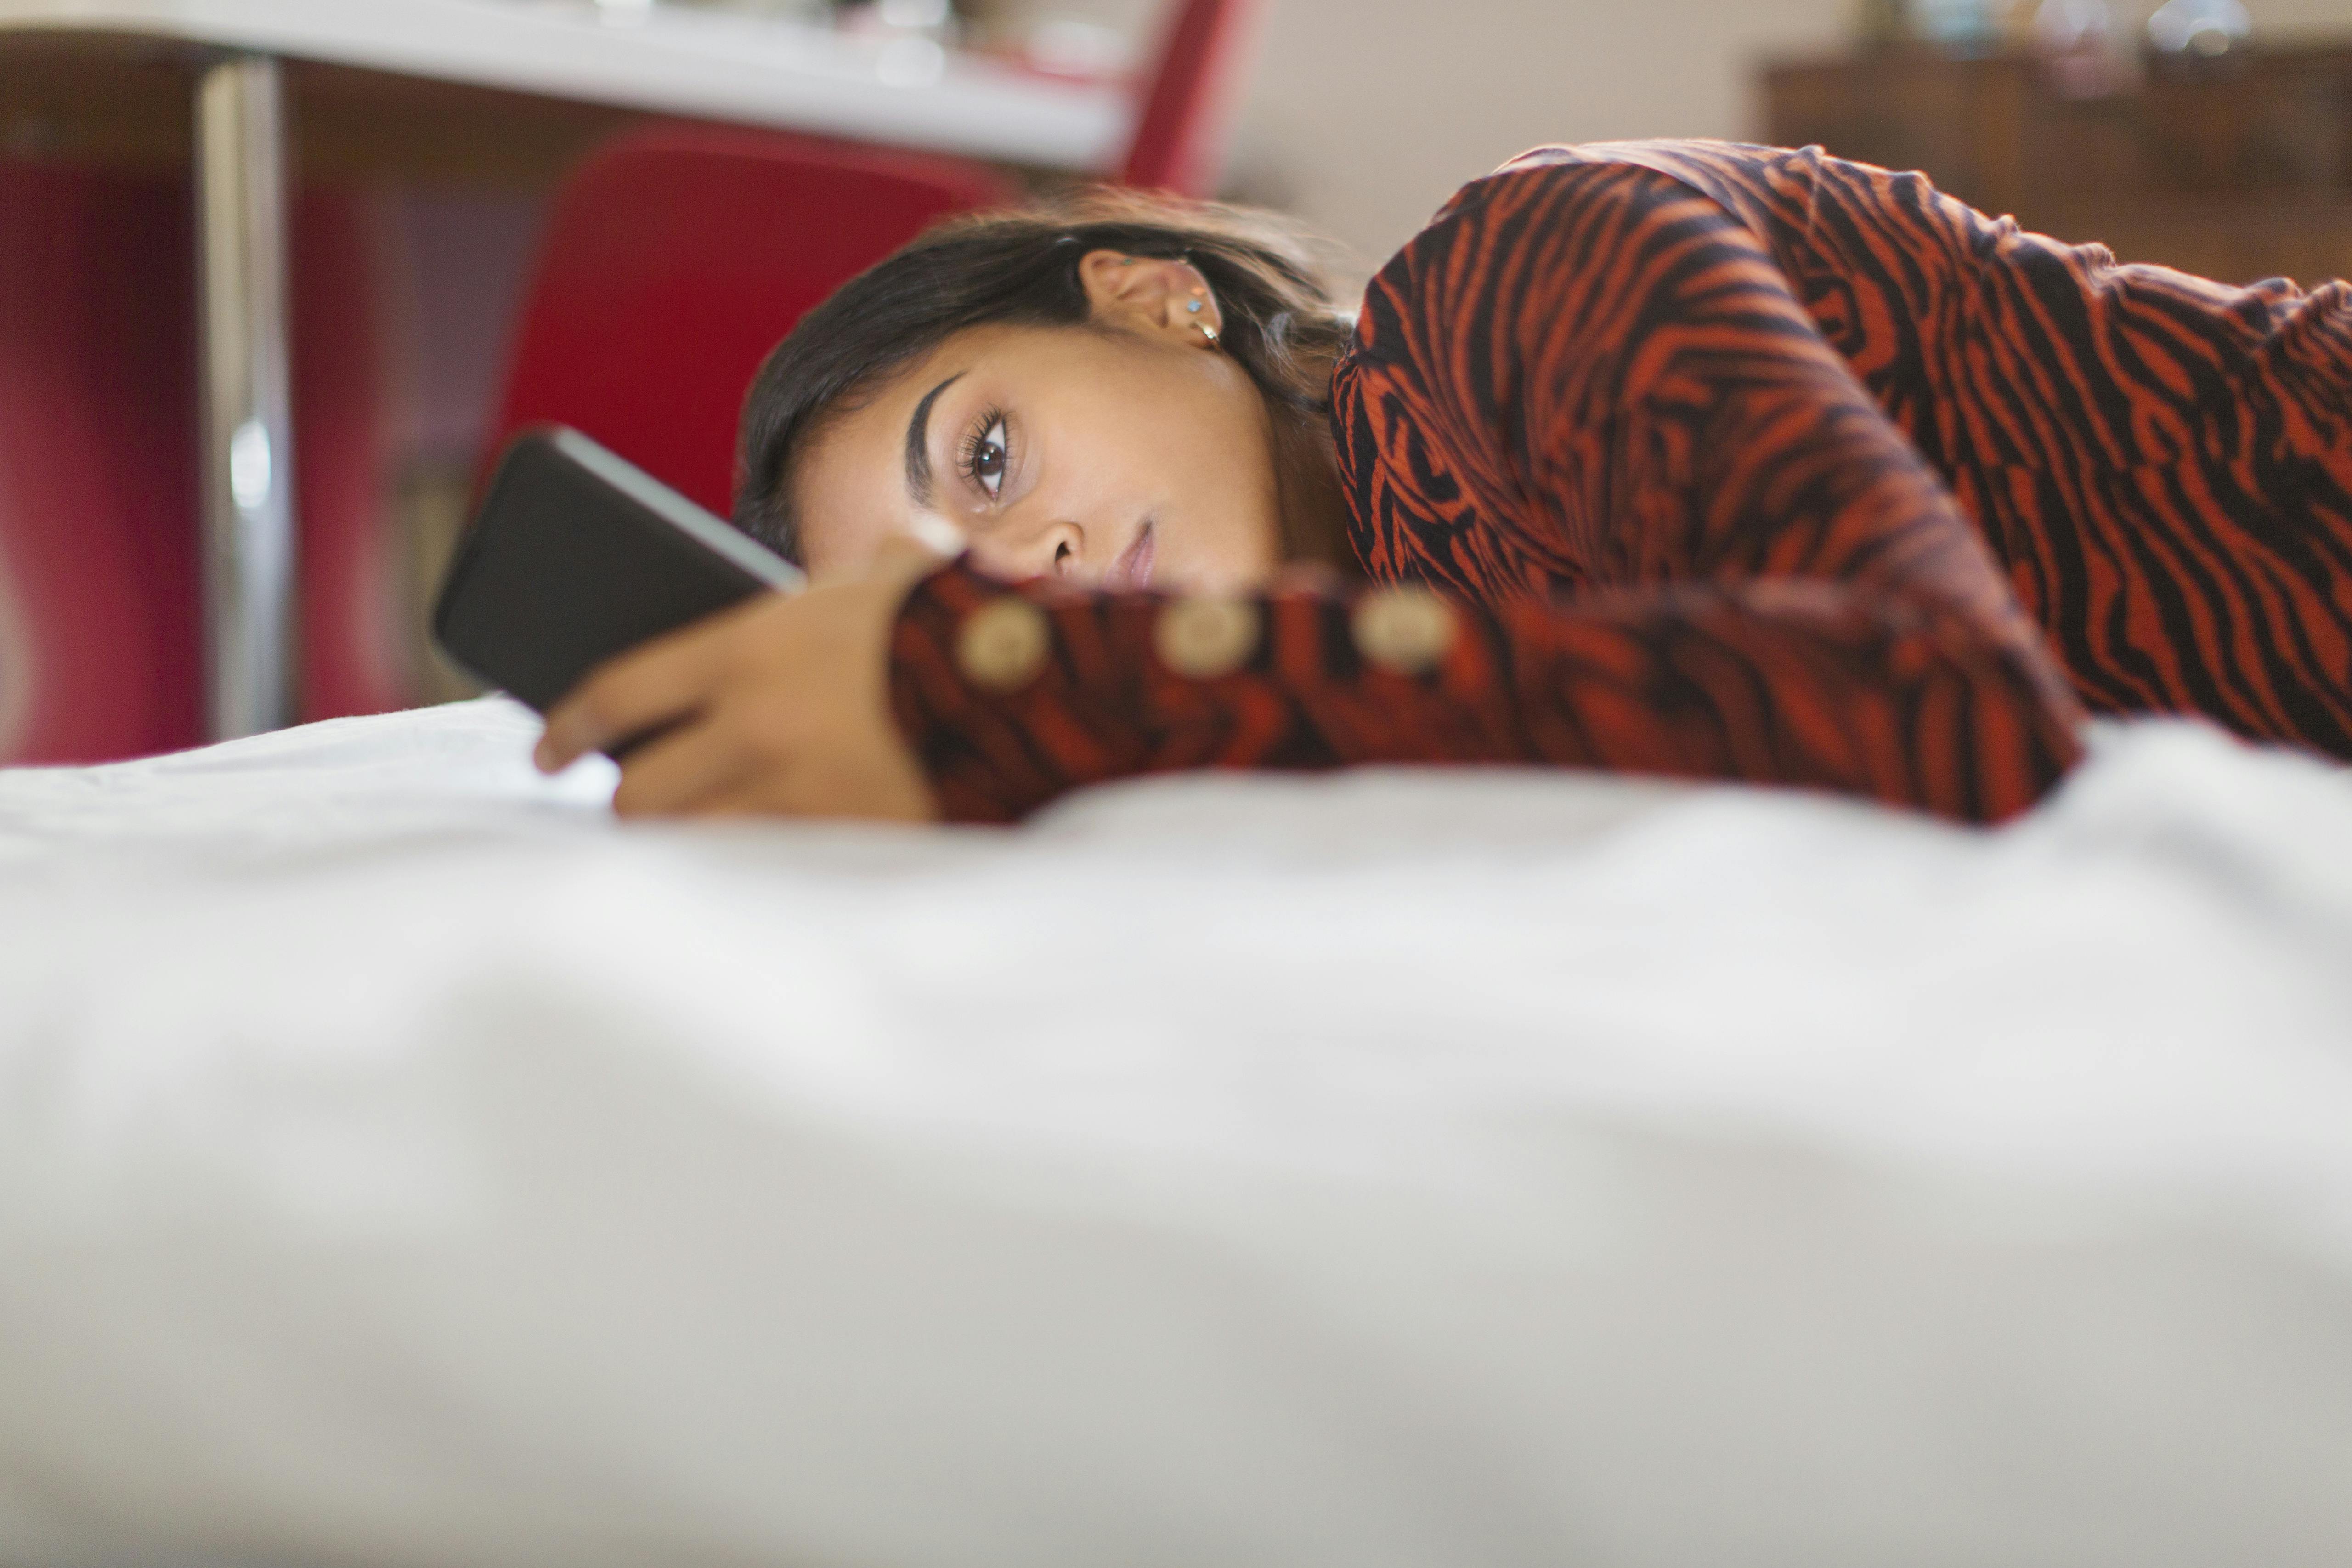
{"x": 1181, "y": 134}
{"x": 677, "y": 257}
{"x": 102, "y": 643}
{"x": 101, "y": 652}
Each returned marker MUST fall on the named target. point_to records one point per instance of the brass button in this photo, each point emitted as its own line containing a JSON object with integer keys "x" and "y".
{"x": 1002, "y": 646}
{"x": 1205, "y": 638}
{"x": 1405, "y": 630}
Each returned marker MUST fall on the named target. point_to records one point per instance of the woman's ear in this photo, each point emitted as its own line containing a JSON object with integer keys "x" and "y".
{"x": 1151, "y": 295}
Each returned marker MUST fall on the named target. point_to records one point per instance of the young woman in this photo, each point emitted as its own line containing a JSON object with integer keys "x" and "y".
{"x": 1683, "y": 459}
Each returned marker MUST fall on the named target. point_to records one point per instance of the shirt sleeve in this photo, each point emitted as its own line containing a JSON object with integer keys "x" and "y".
{"x": 1628, "y": 510}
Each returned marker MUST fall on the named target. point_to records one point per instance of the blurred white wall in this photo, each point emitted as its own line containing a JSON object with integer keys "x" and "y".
{"x": 1365, "y": 114}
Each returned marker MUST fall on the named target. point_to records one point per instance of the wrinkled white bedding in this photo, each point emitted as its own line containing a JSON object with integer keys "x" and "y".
{"x": 400, "y": 1163}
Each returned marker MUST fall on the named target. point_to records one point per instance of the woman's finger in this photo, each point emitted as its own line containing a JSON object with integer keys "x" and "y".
{"x": 814, "y": 786}
{"x": 763, "y": 792}
{"x": 646, "y": 687}
{"x": 682, "y": 771}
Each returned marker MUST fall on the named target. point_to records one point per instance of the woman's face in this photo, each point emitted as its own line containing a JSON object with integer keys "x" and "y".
{"x": 1125, "y": 452}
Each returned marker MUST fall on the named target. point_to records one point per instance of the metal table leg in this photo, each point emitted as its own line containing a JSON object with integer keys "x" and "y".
{"x": 248, "y": 504}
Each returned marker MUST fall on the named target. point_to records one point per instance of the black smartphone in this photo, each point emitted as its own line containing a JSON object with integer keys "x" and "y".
{"x": 578, "y": 555}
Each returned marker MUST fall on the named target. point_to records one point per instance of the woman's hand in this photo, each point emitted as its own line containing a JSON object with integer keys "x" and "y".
{"x": 779, "y": 707}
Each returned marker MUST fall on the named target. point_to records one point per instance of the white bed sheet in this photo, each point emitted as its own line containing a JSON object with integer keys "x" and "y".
{"x": 400, "y": 1163}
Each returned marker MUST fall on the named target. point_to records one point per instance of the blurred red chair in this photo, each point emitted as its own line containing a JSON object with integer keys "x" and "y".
{"x": 1187, "y": 114}
{"x": 673, "y": 261}
{"x": 101, "y": 652}
{"x": 677, "y": 256}
{"x": 99, "y": 649}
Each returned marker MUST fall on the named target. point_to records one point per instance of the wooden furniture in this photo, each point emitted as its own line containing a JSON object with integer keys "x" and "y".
{"x": 2238, "y": 169}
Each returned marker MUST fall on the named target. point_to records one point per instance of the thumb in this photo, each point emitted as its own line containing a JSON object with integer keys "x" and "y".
{"x": 926, "y": 542}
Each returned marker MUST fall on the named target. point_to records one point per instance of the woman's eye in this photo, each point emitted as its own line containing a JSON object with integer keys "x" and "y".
{"x": 985, "y": 457}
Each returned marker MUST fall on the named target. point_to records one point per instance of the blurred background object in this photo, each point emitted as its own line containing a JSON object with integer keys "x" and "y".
{"x": 2237, "y": 174}
{"x": 772, "y": 224}
{"x": 1963, "y": 25}
{"x": 385, "y": 185}
{"x": 2207, "y": 27}
{"x": 2082, "y": 51}
{"x": 2230, "y": 153}
{"x": 1363, "y": 116}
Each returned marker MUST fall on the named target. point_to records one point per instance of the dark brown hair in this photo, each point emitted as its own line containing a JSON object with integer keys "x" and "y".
{"x": 1020, "y": 267}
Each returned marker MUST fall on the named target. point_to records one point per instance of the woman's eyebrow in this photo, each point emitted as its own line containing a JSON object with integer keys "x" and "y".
{"x": 918, "y": 445}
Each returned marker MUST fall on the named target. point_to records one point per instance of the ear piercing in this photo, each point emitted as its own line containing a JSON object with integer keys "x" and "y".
{"x": 1193, "y": 306}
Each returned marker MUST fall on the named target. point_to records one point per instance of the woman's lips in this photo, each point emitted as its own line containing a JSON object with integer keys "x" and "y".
{"x": 1132, "y": 570}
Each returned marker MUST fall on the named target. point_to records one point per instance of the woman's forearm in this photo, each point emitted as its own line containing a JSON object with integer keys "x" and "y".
{"x": 1011, "y": 697}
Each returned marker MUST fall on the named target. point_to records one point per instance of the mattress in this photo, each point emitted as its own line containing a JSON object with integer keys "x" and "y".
{"x": 401, "y": 1162}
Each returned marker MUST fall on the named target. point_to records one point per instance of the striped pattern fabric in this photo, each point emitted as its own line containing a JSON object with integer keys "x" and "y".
{"x": 1739, "y": 463}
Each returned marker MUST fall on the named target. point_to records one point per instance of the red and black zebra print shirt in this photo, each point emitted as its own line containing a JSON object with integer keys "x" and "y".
{"x": 1729, "y": 462}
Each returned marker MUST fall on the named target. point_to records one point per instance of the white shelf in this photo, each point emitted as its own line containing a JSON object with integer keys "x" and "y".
{"x": 709, "y": 65}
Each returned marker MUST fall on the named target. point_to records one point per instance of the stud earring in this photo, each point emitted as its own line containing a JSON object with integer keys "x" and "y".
{"x": 1193, "y": 306}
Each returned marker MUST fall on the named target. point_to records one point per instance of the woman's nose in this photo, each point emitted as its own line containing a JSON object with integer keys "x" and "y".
{"x": 1055, "y": 549}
